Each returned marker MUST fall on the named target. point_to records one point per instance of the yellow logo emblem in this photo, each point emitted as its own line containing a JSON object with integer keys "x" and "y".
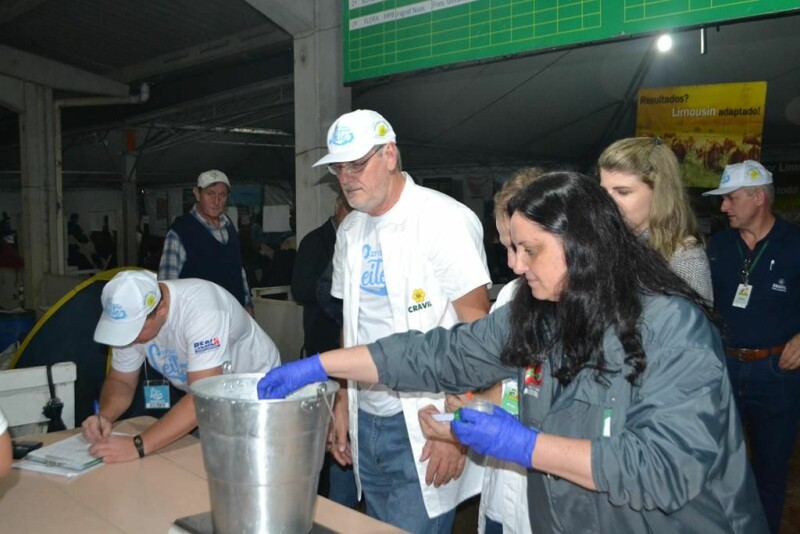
{"x": 150, "y": 300}
{"x": 418, "y": 295}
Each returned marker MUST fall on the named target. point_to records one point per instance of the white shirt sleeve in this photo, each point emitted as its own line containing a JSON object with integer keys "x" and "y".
{"x": 127, "y": 359}
{"x": 506, "y": 294}
{"x": 458, "y": 254}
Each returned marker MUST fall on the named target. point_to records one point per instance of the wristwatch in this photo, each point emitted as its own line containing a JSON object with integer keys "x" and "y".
{"x": 137, "y": 441}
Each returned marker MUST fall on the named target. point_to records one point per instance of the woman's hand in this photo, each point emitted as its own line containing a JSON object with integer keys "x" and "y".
{"x": 284, "y": 379}
{"x": 500, "y": 435}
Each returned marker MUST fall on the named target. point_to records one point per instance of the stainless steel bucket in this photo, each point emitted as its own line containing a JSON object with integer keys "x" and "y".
{"x": 262, "y": 457}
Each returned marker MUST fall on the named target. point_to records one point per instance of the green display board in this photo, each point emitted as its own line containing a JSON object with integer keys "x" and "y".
{"x": 389, "y": 36}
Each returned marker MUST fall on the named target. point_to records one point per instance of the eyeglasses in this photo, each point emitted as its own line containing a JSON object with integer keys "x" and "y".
{"x": 354, "y": 168}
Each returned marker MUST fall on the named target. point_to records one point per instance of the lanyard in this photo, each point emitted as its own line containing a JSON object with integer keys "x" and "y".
{"x": 747, "y": 266}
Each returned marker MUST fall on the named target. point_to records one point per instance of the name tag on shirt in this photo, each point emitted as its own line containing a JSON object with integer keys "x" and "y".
{"x": 156, "y": 395}
{"x": 742, "y": 296}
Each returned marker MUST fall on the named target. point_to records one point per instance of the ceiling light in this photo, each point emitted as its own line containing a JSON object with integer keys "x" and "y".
{"x": 664, "y": 43}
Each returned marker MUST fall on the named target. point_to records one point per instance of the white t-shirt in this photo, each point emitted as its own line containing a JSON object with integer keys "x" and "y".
{"x": 205, "y": 327}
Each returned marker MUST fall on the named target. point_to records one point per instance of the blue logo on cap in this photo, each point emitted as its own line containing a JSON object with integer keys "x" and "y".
{"x": 726, "y": 177}
{"x": 115, "y": 311}
{"x": 341, "y": 136}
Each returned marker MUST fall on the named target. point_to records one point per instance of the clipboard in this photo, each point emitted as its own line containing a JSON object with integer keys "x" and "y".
{"x": 29, "y": 465}
{"x": 71, "y": 453}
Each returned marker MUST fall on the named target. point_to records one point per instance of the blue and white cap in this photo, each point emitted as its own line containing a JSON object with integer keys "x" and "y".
{"x": 745, "y": 174}
{"x": 354, "y": 134}
{"x": 127, "y": 300}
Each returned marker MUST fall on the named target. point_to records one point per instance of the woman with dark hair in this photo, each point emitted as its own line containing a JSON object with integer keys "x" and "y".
{"x": 627, "y": 423}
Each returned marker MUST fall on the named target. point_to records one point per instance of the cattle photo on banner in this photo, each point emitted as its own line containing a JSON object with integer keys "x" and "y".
{"x": 707, "y": 126}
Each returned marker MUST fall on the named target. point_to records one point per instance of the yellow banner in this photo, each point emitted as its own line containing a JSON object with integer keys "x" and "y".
{"x": 707, "y": 126}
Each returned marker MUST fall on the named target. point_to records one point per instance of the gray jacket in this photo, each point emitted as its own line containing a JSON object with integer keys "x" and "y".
{"x": 667, "y": 454}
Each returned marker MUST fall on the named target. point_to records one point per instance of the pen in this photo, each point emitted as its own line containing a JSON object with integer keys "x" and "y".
{"x": 97, "y": 413}
{"x": 771, "y": 263}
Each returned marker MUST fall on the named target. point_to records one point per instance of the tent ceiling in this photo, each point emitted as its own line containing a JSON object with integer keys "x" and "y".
{"x": 222, "y": 91}
{"x": 569, "y": 104}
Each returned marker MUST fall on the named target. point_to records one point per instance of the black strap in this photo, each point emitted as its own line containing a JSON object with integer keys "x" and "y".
{"x": 52, "y": 410}
{"x": 50, "y": 383}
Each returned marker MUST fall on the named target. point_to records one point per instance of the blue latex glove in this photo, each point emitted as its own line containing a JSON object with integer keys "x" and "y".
{"x": 284, "y": 379}
{"x": 500, "y": 435}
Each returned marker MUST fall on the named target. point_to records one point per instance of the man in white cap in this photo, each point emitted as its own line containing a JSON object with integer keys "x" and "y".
{"x": 755, "y": 271}
{"x": 187, "y": 330}
{"x": 407, "y": 258}
{"x": 204, "y": 243}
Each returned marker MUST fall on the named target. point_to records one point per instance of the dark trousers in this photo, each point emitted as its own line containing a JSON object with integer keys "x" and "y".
{"x": 493, "y": 527}
{"x": 768, "y": 400}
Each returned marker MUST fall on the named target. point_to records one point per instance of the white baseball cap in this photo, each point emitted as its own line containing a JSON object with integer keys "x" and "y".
{"x": 745, "y": 174}
{"x": 212, "y": 177}
{"x": 127, "y": 299}
{"x": 354, "y": 134}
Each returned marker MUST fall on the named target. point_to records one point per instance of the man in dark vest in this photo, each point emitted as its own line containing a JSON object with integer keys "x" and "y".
{"x": 204, "y": 243}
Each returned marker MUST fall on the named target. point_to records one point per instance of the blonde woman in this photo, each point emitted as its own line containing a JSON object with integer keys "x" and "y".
{"x": 643, "y": 177}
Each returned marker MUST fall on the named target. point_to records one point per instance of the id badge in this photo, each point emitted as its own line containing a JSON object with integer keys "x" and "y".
{"x": 742, "y": 295}
{"x": 510, "y": 400}
{"x": 156, "y": 395}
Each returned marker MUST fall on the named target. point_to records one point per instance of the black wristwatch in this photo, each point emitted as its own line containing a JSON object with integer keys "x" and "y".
{"x": 137, "y": 440}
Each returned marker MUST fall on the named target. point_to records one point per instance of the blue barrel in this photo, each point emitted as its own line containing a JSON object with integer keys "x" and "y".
{"x": 15, "y": 325}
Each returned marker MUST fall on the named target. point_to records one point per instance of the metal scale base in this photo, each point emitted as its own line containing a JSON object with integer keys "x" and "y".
{"x": 203, "y": 524}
